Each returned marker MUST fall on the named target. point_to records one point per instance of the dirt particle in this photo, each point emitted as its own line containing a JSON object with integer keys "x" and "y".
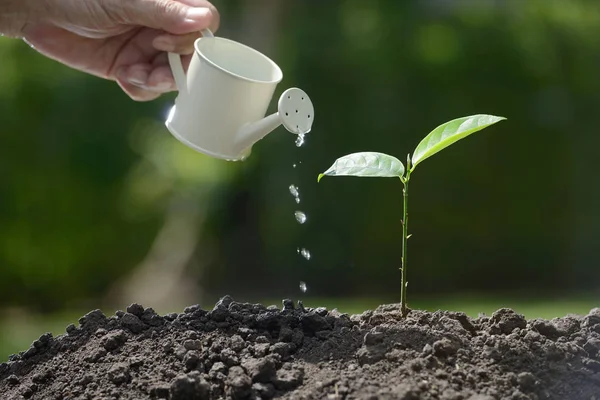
{"x": 506, "y": 320}
{"x": 592, "y": 347}
{"x": 216, "y": 369}
{"x": 119, "y": 373}
{"x": 180, "y": 352}
{"x": 591, "y": 320}
{"x": 191, "y": 309}
{"x": 44, "y": 341}
{"x": 400, "y": 391}
{"x": 373, "y": 338}
{"x": 135, "y": 309}
{"x": 283, "y": 349}
{"x": 545, "y": 328}
{"x": 93, "y": 320}
{"x": 71, "y": 329}
{"x": 261, "y": 349}
{"x": 13, "y": 380}
{"x": 238, "y": 384}
{"x": 237, "y": 344}
{"x": 264, "y": 390}
{"x": 189, "y": 387}
{"x": 191, "y": 360}
{"x": 113, "y": 340}
{"x": 261, "y": 370}
{"x": 219, "y": 314}
{"x": 42, "y": 377}
{"x": 445, "y": 347}
{"x": 133, "y": 323}
{"x": 566, "y": 325}
{"x": 150, "y": 317}
{"x": 85, "y": 380}
{"x": 592, "y": 365}
{"x": 229, "y": 357}
{"x": 32, "y": 351}
{"x": 28, "y": 390}
{"x": 526, "y": 381}
{"x": 288, "y": 379}
{"x": 192, "y": 344}
{"x": 288, "y": 305}
{"x": 224, "y": 302}
{"x": 95, "y": 355}
{"x": 159, "y": 392}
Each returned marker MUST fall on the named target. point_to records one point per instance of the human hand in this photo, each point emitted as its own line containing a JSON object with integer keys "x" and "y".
{"x": 121, "y": 40}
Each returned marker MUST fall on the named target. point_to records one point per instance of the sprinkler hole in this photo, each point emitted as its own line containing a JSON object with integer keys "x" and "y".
{"x": 286, "y": 114}
{"x": 308, "y": 115}
{"x": 303, "y": 98}
{"x": 296, "y": 111}
{"x": 289, "y": 96}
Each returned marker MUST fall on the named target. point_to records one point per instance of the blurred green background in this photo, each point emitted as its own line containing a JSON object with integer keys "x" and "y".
{"x": 101, "y": 207}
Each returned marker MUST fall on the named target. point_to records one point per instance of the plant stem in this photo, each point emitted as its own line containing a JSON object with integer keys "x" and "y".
{"x": 403, "y": 282}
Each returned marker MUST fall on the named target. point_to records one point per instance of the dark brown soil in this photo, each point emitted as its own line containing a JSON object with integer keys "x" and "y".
{"x": 249, "y": 351}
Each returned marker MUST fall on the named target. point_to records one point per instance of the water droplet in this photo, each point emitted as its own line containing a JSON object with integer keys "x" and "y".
{"x": 295, "y": 193}
{"x": 305, "y": 253}
{"x": 303, "y": 287}
{"x": 300, "y": 140}
{"x": 300, "y": 217}
{"x": 294, "y": 165}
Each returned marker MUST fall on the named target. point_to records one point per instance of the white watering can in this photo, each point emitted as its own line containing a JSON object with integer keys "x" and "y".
{"x": 221, "y": 106}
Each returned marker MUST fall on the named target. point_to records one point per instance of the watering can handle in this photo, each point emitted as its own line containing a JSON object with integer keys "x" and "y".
{"x": 177, "y": 66}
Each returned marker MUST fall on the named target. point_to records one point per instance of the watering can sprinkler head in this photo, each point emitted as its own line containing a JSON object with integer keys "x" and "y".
{"x": 296, "y": 111}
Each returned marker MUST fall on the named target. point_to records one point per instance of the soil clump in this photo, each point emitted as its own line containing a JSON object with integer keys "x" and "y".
{"x": 250, "y": 351}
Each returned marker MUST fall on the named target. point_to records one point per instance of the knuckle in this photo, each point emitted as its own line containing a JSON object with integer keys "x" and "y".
{"x": 168, "y": 8}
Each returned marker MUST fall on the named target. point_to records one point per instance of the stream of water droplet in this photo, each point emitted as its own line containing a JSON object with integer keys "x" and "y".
{"x": 303, "y": 287}
{"x": 300, "y": 139}
{"x": 294, "y": 191}
{"x": 300, "y": 217}
{"x": 303, "y": 252}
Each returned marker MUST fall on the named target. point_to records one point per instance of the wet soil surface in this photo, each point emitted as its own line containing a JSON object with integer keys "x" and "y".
{"x": 249, "y": 351}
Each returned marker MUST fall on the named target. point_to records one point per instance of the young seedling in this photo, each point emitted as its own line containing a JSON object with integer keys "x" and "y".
{"x": 373, "y": 164}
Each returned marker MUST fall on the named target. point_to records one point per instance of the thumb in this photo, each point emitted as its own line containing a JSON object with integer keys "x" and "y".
{"x": 169, "y": 15}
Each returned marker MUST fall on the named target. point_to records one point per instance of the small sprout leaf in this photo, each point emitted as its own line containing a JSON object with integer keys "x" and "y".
{"x": 450, "y": 132}
{"x": 408, "y": 237}
{"x": 365, "y": 164}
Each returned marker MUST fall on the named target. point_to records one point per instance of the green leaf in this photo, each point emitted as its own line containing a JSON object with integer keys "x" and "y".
{"x": 365, "y": 164}
{"x": 450, "y": 132}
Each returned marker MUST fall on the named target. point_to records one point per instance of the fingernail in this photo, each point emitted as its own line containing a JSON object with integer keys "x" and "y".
{"x": 196, "y": 14}
{"x": 163, "y": 44}
{"x": 163, "y": 86}
{"x": 137, "y": 77}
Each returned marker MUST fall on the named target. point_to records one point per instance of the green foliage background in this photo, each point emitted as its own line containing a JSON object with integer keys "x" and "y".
{"x": 86, "y": 175}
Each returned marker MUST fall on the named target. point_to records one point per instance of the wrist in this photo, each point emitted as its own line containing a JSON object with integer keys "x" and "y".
{"x": 14, "y": 15}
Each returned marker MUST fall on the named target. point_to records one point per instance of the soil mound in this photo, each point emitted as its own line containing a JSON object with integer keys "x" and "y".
{"x": 249, "y": 351}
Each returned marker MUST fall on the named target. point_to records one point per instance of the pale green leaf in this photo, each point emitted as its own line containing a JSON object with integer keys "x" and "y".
{"x": 450, "y": 132}
{"x": 365, "y": 164}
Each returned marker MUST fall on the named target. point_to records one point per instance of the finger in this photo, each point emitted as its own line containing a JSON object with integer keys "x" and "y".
{"x": 133, "y": 80}
{"x": 216, "y": 17}
{"x": 161, "y": 77}
{"x": 170, "y": 15}
{"x": 136, "y": 93}
{"x": 181, "y": 44}
{"x": 161, "y": 80}
{"x": 136, "y": 74}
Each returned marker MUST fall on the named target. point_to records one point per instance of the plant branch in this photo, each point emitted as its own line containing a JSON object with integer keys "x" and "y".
{"x": 403, "y": 282}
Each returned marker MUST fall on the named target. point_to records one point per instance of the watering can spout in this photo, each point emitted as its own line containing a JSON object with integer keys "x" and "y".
{"x": 295, "y": 112}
